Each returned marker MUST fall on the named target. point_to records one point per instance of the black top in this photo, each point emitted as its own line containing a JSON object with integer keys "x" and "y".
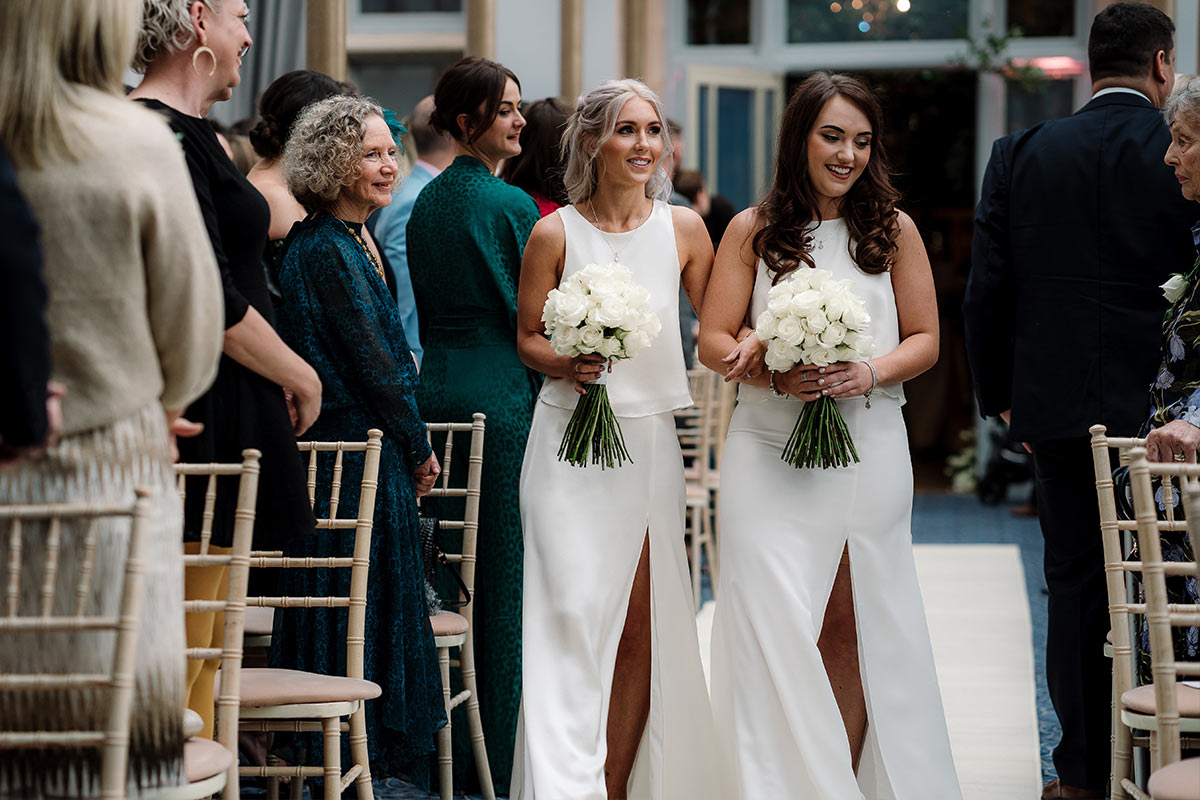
{"x": 24, "y": 337}
{"x": 1079, "y": 222}
{"x": 242, "y": 409}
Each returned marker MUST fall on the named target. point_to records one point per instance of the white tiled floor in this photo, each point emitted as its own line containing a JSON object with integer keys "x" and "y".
{"x": 979, "y": 622}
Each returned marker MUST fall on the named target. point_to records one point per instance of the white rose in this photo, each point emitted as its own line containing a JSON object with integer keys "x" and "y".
{"x": 611, "y": 312}
{"x": 651, "y": 325}
{"x": 766, "y": 327}
{"x": 848, "y": 354}
{"x": 789, "y": 330}
{"x": 806, "y": 302}
{"x": 1174, "y": 288}
{"x": 818, "y": 277}
{"x": 569, "y": 308}
{"x": 778, "y": 303}
{"x": 822, "y": 356}
{"x": 861, "y": 343}
{"x": 836, "y": 304}
{"x": 816, "y": 321}
{"x": 635, "y": 343}
{"x": 798, "y": 281}
{"x": 856, "y": 316}
{"x": 778, "y": 356}
{"x": 590, "y": 338}
{"x": 811, "y": 342}
{"x": 565, "y": 337}
{"x": 609, "y": 347}
{"x": 602, "y": 286}
{"x": 833, "y": 334}
{"x": 638, "y": 296}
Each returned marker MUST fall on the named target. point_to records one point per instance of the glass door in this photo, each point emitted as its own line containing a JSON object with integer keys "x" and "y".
{"x": 732, "y": 118}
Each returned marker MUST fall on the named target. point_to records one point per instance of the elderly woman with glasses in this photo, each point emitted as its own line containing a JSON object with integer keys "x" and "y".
{"x": 340, "y": 164}
{"x": 1172, "y": 431}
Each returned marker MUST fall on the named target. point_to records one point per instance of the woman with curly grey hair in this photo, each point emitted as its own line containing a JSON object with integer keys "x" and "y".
{"x": 265, "y": 395}
{"x": 340, "y": 164}
{"x": 613, "y": 680}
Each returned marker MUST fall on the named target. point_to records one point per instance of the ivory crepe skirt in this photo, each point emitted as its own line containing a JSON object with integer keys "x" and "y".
{"x": 782, "y": 534}
{"x": 583, "y": 530}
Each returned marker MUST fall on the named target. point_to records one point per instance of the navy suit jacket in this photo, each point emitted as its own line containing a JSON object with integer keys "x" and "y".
{"x": 1079, "y": 222}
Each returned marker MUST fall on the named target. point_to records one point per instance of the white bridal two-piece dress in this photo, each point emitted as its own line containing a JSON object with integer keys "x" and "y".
{"x": 782, "y": 534}
{"x": 583, "y": 530}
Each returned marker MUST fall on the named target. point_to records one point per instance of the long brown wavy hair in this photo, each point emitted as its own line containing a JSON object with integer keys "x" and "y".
{"x": 791, "y": 206}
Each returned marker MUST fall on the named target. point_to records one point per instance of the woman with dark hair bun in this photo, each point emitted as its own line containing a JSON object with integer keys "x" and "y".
{"x": 538, "y": 167}
{"x": 278, "y": 108}
{"x": 785, "y": 531}
{"x": 466, "y": 236}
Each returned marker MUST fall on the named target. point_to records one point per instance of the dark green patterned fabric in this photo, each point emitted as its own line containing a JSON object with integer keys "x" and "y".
{"x": 466, "y": 237}
{"x": 338, "y": 315}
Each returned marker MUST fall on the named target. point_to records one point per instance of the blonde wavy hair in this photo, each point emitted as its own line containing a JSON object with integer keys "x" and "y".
{"x": 593, "y": 124}
{"x": 323, "y": 154}
{"x": 52, "y": 56}
{"x": 166, "y": 28}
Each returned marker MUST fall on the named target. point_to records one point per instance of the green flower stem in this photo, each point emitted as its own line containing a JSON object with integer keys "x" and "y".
{"x": 594, "y": 433}
{"x": 820, "y": 438}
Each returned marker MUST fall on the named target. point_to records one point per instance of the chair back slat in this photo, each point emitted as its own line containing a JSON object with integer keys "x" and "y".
{"x": 50, "y": 575}
{"x": 312, "y": 474}
{"x": 13, "y": 588}
{"x": 84, "y": 586}
{"x": 1191, "y": 509}
{"x": 335, "y": 494}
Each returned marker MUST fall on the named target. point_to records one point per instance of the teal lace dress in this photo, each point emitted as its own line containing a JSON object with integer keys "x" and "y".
{"x": 337, "y": 314}
{"x": 466, "y": 237}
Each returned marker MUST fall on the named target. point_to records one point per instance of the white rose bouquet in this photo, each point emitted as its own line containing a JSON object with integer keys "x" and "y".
{"x": 598, "y": 309}
{"x": 813, "y": 319}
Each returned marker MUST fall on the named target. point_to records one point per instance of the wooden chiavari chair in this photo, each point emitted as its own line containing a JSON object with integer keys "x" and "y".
{"x": 1174, "y": 704}
{"x": 292, "y": 700}
{"x": 455, "y": 629}
{"x": 112, "y": 741}
{"x": 211, "y": 766}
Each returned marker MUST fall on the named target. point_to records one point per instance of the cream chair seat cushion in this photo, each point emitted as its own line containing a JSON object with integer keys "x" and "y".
{"x": 1178, "y": 781}
{"x": 204, "y": 758}
{"x": 280, "y": 687}
{"x": 1141, "y": 700}
{"x": 447, "y": 623}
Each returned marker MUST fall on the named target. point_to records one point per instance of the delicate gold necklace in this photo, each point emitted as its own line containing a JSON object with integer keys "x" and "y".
{"x": 604, "y": 234}
{"x": 363, "y": 244}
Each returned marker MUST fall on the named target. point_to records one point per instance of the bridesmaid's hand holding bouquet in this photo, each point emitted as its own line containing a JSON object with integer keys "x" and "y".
{"x": 814, "y": 320}
{"x": 598, "y": 310}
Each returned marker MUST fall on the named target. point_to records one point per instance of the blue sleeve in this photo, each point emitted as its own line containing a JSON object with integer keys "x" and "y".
{"x": 392, "y": 234}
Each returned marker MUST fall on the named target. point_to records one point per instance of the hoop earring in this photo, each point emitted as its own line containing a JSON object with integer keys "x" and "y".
{"x": 208, "y": 50}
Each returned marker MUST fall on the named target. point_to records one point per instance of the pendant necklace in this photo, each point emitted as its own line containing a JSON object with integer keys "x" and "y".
{"x": 363, "y": 244}
{"x": 604, "y": 234}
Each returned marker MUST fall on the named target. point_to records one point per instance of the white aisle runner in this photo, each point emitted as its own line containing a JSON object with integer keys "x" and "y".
{"x": 978, "y": 615}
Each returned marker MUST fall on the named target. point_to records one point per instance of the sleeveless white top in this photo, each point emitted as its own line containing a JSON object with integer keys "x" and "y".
{"x": 655, "y": 381}
{"x": 831, "y": 251}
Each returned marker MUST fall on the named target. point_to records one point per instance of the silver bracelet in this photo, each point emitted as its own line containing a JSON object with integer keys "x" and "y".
{"x": 874, "y": 383}
{"x": 771, "y": 383}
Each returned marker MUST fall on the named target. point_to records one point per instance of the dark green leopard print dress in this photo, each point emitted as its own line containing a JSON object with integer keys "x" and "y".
{"x": 466, "y": 237}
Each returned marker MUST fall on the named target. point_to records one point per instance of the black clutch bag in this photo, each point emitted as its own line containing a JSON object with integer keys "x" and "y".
{"x": 435, "y": 563}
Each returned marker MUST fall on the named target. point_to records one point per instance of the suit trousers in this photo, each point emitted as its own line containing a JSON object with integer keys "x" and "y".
{"x": 1077, "y": 671}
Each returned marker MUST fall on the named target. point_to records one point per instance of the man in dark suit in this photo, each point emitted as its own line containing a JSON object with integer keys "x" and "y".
{"x": 1079, "y": 222}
